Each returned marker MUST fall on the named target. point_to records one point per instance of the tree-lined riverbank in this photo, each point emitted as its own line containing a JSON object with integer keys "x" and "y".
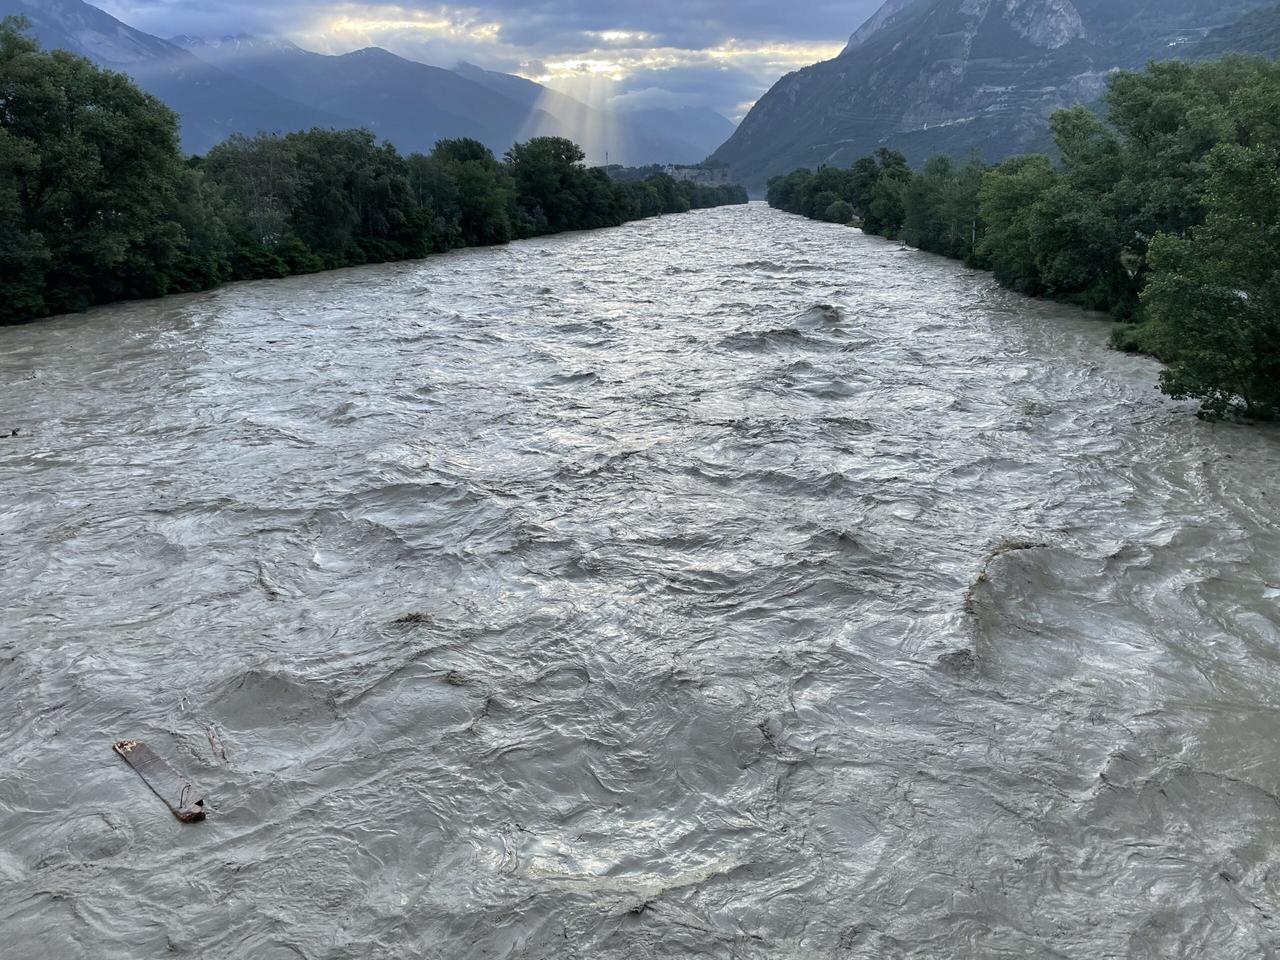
{"x": 97, "y": 203}
{"x": 1166, "y": 214}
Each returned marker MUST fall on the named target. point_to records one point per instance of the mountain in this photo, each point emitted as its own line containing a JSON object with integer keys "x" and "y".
{"x": 243, "y": 84}
{"x": 212, "y": 104}
{"x": 961, "y": 76}
{"x": 411, "y": 104}
{"x": 878, "y": 21}
{"x": 698, "y": 129}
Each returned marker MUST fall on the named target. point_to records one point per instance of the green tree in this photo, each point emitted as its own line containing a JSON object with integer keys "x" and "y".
{"x": 438, "y": 204}
{"x": 829, "y": 185}
{"x": 24, "y": 256}
{"x": 962, "y": 212}
{"x": 790, "y": 192}
{"x": 200, "y": 212}
{"x": 641, "y": 199}
{"x": 92, "y": 169}
{"x": 354, "y": 203}
{"x": 1008, "y": 197}
{"x": 1213, "y": 299}
{"x": 669, "y": 194}
{"x": 1080, "y": 228}
{"x": 886, "y": 206}
{"x": 924, "y": 223}
{"x": 486, "y": 194}
{"x": 862, "y": 180}
{"x": 1170, "y": 116}
{"x": 841, "y": 211}
{"x": 551, "y": 182}
{"x": 259, "y": 179}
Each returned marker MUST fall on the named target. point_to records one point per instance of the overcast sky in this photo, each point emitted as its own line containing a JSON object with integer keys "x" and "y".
{"x": 717, "y": 53}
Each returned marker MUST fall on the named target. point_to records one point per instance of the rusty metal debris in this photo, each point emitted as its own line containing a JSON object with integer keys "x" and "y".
{"x": 166, "y": 783}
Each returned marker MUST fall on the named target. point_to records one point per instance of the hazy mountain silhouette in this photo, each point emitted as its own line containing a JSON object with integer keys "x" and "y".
{"x": 213, "y": 104}
{"x": 244, "y": 84}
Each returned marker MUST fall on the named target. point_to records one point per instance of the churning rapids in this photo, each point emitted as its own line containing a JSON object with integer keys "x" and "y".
{"x": 727, "y": 585}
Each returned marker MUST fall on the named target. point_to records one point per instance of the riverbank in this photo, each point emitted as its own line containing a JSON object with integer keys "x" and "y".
{"x": 1165, "y": 217}
{"x": 94, "y": 212}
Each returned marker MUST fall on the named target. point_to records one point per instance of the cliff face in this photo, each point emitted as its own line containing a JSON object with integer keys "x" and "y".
{"x": 882, "y": 18}
{"x": 961, "y": 76}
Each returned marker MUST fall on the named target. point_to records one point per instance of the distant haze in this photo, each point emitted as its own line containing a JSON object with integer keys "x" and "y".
{"x": 717, "y": 54}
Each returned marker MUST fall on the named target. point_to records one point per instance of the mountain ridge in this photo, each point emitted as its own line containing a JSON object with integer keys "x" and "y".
{"x": 960, "y": 77}
{"x": 409, "y": 103}
{"x": 213, "y": 104}
{"x": 239, "y": 83}
{"x": 495, "y": 108}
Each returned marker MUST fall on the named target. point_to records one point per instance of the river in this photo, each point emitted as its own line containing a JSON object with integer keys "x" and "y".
{"x": 726, "y": 585}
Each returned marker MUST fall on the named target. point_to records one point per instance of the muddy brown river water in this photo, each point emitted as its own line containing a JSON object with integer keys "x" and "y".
{"x": 727, "y": 585}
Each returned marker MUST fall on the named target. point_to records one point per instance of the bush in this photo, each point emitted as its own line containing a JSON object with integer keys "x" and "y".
{"x": 839, "y": 212}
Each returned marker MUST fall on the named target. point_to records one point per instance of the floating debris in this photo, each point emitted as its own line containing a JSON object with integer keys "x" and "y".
{"x": 273, "y": 592}
{"x": 165, "y": 782}
{"x": 960, "y": 662}
{"x": 412, "y": 619}
{"x": 215, "y": 742}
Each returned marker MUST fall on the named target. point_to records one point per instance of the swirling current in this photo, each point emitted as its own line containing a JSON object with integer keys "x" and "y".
{"x": 726, "y": 585}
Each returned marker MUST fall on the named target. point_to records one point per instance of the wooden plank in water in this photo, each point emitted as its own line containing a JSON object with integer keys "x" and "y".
{"x": 166, "y": 783}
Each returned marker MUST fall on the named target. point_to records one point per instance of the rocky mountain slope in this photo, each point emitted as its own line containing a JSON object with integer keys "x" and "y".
{"x": 1257, "y": 32}
{"x": 958, "y": 76}
{"x": 243, "y": 84}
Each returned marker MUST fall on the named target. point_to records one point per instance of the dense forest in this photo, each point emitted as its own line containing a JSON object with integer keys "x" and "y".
{"x": 97, "y": 202}
{"x": 1165, "y": 213}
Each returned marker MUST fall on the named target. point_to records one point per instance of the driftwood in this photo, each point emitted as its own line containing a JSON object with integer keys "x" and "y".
{"x": 166, "y": 783}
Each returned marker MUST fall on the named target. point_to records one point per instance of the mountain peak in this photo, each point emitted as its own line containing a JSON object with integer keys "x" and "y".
{"x": 1046, "y": 24}
{"x": 889, "y": 14}
{"x": 242, "y": 42}
{"x": 384, "y": 55}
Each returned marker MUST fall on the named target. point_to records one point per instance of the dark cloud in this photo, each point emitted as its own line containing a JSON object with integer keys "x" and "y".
{"x": 686, "y": 23}
{"x": 688, "y": 38}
